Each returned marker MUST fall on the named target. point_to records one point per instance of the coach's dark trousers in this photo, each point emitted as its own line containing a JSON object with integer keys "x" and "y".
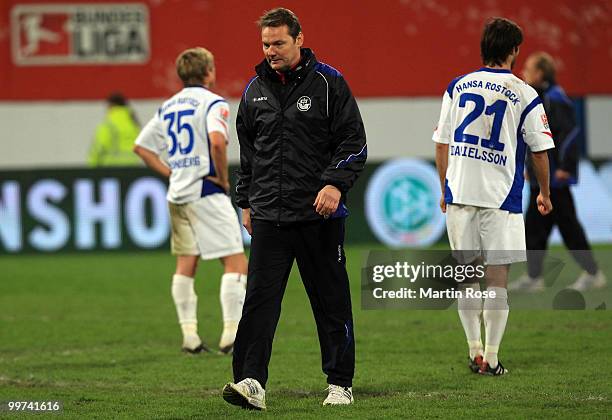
{"x": 538, "y": 229}
{"x": 318, "y": 248}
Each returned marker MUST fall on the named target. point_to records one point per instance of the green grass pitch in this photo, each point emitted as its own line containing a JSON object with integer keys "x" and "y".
{"x": 99, "y": 333}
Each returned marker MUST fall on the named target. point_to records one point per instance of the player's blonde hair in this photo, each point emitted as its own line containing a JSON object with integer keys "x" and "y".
{"x": 193, "y": 65}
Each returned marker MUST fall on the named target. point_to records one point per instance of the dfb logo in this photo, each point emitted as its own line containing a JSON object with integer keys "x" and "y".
{"x": 60, "y": 34}
{"x": 401, "y": 204}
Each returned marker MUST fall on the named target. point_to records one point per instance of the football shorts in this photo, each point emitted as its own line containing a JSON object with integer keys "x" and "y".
{"x": 208, "y": 227}
{"x": 497, "y": 236}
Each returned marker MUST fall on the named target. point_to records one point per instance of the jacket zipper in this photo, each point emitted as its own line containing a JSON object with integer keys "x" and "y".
{"x": 283, "y": 106}
{"x": 280, "y": 175}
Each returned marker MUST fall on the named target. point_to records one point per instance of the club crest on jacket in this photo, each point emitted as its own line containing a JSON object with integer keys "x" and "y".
{"x": 304, "y": 103}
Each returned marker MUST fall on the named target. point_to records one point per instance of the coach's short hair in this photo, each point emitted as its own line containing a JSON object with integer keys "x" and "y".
{"x": 546, "y": 64}
{"x": 500, "y": 37}
{"x": 193, "y": 65}
{"x": 279, "y": 17}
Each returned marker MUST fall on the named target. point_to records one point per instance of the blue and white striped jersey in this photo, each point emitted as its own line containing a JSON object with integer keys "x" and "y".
{"x": 488, "y": 118}
{"x": 181, "y": 127}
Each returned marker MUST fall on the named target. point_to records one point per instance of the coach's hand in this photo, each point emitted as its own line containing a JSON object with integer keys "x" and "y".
{"x": 544, "y": 204}
{"x": 327, "y": 200}
{"x": 442, "y": 204}
{"x": 246, "y": 220}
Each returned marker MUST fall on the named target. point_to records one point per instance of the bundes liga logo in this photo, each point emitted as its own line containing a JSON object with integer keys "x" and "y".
{"x": 64, "y": 34}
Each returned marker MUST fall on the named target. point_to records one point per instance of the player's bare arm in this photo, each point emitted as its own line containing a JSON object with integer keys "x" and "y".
{"x": 442, "y": 165}
{"x": 152, "y": 160}
{"x": 218, "y": 152}
{"x": 327, "y": 200}
{"x": 540, "y": 166}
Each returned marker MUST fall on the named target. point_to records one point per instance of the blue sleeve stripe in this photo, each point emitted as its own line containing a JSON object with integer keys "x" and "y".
{"x": 327, "y": 69}
{"x": 513, "y": 202}
{"x": 213, "y": 103}
{"x": 452, "y": 84}
{"x": 537, "y": 101}
{"x": 352, "y": 157}
{"x": 248, "y": 86}
{"x": 448, "y": 194}
{"x": 211, "y": 166}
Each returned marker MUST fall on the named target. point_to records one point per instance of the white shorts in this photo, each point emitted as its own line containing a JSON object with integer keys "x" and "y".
{"x": 496, "y": 235}
{"x": 207, "y": 227}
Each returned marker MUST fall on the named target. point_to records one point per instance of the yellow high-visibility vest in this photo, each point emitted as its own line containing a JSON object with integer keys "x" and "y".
{"x": 114, "y": 139}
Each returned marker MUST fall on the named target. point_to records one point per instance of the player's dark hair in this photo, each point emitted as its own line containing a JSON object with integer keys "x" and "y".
{"x": 546, "y": 64}
{"x": 500, "y": 37}
{"x": 279, "y": 17}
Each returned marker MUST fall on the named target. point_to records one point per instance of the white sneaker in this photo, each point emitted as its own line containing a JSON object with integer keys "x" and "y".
{"x": 226, "y": 344}
{"x": 247, "y": 393}
{"x": 339, "y": 395}
{"x": 587, "y": 281}
{"x": 527, "y": 284}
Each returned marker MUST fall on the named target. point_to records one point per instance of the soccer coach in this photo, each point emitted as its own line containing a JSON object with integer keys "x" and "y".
{"x": 302, "y": 146}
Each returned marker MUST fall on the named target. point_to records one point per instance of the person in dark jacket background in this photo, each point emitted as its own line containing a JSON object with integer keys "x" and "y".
{"x": 302, "y": 146}
{"x": 539, "y": 72}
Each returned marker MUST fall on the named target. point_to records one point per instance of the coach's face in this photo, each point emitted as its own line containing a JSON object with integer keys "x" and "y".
{"x": 280, "y": 49}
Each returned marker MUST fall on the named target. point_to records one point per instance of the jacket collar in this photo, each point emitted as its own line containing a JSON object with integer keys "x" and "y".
{"x": 544, "y": 89}
{"x": 307, "y": 62}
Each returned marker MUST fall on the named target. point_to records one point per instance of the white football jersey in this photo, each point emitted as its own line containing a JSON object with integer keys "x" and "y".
{"x": 488, "y": 118}
{"x": 179, "y": 132}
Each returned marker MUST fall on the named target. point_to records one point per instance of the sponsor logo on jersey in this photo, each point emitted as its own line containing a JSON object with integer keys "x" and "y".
{"x": 224, "y": 114}
{"x": 304, "y": 103}
{"x": 61, "y": 34}
{"x": 402, "y": 204}
{"x": 261, "y": 98}
{"x": 545, "y": 121}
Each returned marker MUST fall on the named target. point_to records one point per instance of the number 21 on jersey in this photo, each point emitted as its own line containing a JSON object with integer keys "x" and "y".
{"x": 497, "y": 109}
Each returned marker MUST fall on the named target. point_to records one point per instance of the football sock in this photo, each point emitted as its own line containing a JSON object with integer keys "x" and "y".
{"x": 470, "y": 309}
{"x": 495, "y": 316}
{"x": 233, "y": 290}
{"x": 190, "y": 328}
{"x": 186, "y": 302}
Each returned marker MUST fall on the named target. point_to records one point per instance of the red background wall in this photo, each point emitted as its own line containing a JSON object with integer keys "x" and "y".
{"x": 384, "y": 48}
